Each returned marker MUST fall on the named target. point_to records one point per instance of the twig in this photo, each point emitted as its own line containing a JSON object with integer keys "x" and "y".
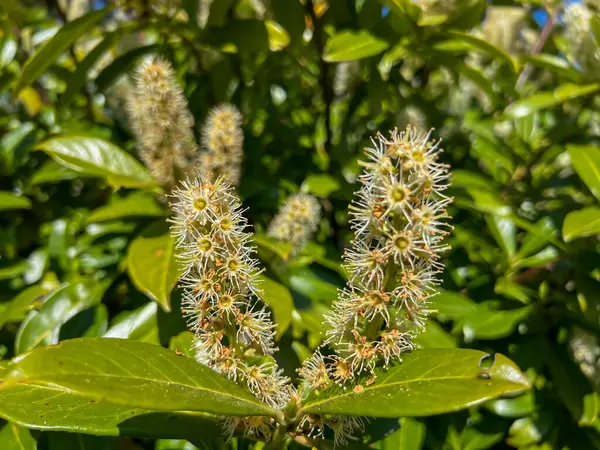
{"x": 537, "y": 48}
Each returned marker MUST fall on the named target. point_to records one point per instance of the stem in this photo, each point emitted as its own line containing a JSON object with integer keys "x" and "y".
{"x": 537, "y": 48}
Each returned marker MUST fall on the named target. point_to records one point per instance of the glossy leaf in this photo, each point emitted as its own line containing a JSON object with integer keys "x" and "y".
{"x": 278, "y": 37}
{"x": 52, "y": 172}
{"x": 95, "y": 156}
{"x": 153, "y": 267}
{"x": 129, "y": 373}
{"x": 427, "y": 382}
{"x": 582, "y": 223}
{"x": 16, "y": 309}
{"x": 451, "y": 305}
{"x": 42, "y": 327}
{"x": 472, "y": 42}
{"x": 586, "y": 161}
{"x": 60, "y": 42}
{"x": 279, "y": 299}
{"x": 281, "y": 249}
{"x": 487, "y": 322}
{"x": 140, "y": 324}
{"x": 138, "y": 204}
{"x": 351, "y": 45}
{"x": 308, "y": 283}
{"x": 8, "y": 200}
{"x": 504, "y": 232}
{"x": 543, "y": 100}
{"x": 14, "y": 437}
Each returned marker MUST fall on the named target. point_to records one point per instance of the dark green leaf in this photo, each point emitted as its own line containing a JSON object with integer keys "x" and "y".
{"x": 138, "y": 204}
{"x": 489, "y": 323}
{"x": 95, "y": 156}
{"x": 308, "y": 283}
{"x": 279, "y": 299}
{"x": 64, "y": 441}
{"x": 43, "y": 327}
{"x": 582, "y": 223}
{"x": 60, "y": 42}
{"x": 586, "y": 161}
{"x": 543, "y": 100}
{"x": 452, "y": 305}
{"x": 353, "y": 45}
{"x": 153, "y": 267}
{"x": 52, "y": 172}
{"x": 427, "y": 382}
{"x": 128, "y": 373}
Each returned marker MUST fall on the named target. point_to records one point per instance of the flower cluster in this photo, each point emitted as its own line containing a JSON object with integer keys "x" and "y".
{"x": 162, "y": 122}
{"x": 296, "y": 221}
{"x": 581, "y": 40}
{"x": 399, "y": 226}
{"x": 222, "y": 139}
{"x": 234, "y": 333}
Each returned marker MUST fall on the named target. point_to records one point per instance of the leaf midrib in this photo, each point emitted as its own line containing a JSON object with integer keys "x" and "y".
{"x": 45, "y": 383}
{"x": 398, "y": 383}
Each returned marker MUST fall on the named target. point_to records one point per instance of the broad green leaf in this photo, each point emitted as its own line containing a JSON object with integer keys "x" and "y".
{"x": 183, "y": 344}
{"x": 12, "y": 269}
{"x": 278, "y": 37}
{"x": 8, "y": 200}
{"x": 95, "y": 156}
{"x": 138, "y": 204}
{"x": 153, "y": 267}
{"x": 308, "y": 283}
{"x": 586, "y": 161}
{"x": 14, "y": 437}
{"x": 426, "y": 382}
{"x": 16, "y": 309}
{"x": 536, "y": 240}
{"x": 489, "y": 323}
{"x": 521, "y": 406}
{"x": 320, "y": 184}
{"x": 281, "y": 249}
{"x": 42, "y": 327}
{"x": 47, "y": 408}
{"x": 60, "y": 42}
{"x": 353, "y": 45}
{"x": 556, "y": 64}
{"x": 460, "y": 40}
{"x": 504, "y": 232}
{"x": 451, "y": 305}
{"x": 410, "y": 436}
{"x": 435, "y": 336}
{"x": 279, "y": 299}
{"x": 140, "y": 324}
{"x": 543, "y": 100}
{"x": 132, "y": 374}
{"x": 51, "y": 172}
{"x": 582, "y": 223}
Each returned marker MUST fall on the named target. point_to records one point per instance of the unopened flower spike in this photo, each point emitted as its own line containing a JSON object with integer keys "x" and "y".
{"x": 161, "y": 122}
{"x": 223, "y": 140}
{"x": 399, "y": 220}
{"x": 296, "y": 221}
{"x": 233, "y": 331}
{"x": 582, "y": 42}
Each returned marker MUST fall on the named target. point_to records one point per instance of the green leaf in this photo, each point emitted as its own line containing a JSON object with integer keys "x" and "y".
{"x": 51, "y": 172}
{"x": 64, "y": 441}
{"x": 129, "y": 373}
{"x": 582, "y": 223}
{"x": 56, "y": 46}
{"x": 504, "y": 232}
{"x": 14, "y": 437}
{"x": 153, "y": 267}
{"x": 451, "y": 305}
{"x": 279, "y": 299}
{"x": 410, "y": 436}
{"x": 138, "y": 204}
{"x": 586, "y": 162}
{"x": 353, "y": 45}
{"x": 95, "y": 156}
{"x": 140, "y": 324}
{"x": 543, "y": 100}
{"x": 435, "y": 336}
{"x": 281, "y": 249}
{"x": 320, "y": 184}
{"x": 16, "y": 309}
{"x": 183, "y": 344}
{"x": 427, "y": 382}
{"x": 469, "y": 42}
{"x": 486, "y": 322}
{"x": 512, "y": 408}
{"x": 8, "y": 200}
{"x": 308, "y": 283}
{"x": 556, "y": 64}
{"x": 43, "y": 327}
{"x": 278, "y": 37}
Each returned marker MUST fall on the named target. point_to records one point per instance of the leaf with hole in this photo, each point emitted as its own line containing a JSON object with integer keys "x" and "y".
{"x": 426, "y": 382}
